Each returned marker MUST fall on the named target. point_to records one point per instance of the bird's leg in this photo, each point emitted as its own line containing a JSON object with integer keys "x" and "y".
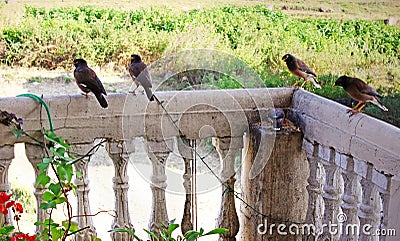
{"x": 133, "y": 91}
{"x": 355, "y": 107}
{"x": 85, "y": 94}
{"x": 301, "y": 86}
{"x": 361, "y": 107}
{"x": 355, "y": 111}
{"x": 295, "y": 84}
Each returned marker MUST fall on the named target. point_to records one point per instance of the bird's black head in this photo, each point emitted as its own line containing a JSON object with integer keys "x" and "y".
{"x": 135, "y": 58}
{"x": 78, "y": 62}
{"x": 287, "y": 57}
{"x": 342, "y": 81}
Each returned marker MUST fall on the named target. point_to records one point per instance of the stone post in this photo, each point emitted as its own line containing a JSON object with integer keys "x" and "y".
{"x": 227, "y": 149}
{"x": 119, "y": 154}
{"x": 277, "y": 196}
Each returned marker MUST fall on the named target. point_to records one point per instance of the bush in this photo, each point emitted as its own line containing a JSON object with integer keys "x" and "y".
{"x": 52, "y": 38}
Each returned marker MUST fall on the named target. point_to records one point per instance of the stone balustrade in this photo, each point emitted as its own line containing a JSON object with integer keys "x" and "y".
{"x": 354, "y": 162}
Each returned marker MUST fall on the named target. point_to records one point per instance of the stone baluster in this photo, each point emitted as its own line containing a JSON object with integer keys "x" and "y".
{"x": 370, "y": 207}
{"x": 350, "y": 199}
{"x": 35, "y": 154}
{"x": 331, "y": 196}
{"x": 158, "y": 151}
{"x": 82, "y": 195}
{"x": 227, "y": 149}
{"x": 385, "y": 196}
{"x": 314, "y": 188}
{"x": 119, "y": 154}
{"x": 6, "y": 156}
{"x": 186, "y": 151}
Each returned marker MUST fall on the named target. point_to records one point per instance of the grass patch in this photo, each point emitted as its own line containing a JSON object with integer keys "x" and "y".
{"x": 52, "y": 38}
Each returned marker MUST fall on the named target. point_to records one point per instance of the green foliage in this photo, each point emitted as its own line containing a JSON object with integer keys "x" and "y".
{"x": 49, "y": 38}
{"x": 166, "y": 233}
{"x": 5, "y": 231}
{"x": 365, "y": 49}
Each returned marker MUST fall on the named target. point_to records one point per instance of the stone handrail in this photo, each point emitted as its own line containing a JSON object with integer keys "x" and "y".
{"x": 354, "y": 162}
{"x": 358, "y": 154}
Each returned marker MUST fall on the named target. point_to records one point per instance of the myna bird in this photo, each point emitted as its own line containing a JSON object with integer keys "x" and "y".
{"x": 359, "y": 91}
{"x": 298, "y": 68}
{"x": 87, "y": 81}
{"x": 141, "y": 75}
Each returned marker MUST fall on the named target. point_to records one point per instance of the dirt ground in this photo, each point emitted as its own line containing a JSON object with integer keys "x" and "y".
{"x": 18, "y": 81}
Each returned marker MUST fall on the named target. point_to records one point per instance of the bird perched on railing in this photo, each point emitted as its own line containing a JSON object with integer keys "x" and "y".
{"x": 298, "y": 68}
{"x": 359, "y": 91}
{"x": 141, "y": 75}
{"x": 87, "y": 81}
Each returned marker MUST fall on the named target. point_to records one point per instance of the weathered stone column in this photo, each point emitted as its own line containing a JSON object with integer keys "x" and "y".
{"x": 227, "y": 149}
{"x": 158, "y": 151}
{"x": 331, "y": 194}
{"x": 314, "y": 188}
{"x": 6, "y": 156}
{"x": 187, "y": 154}
{"x": 35, "y": 154}
{"x": 370, "y": 207}
{"x": 276, "y": 194}
{"x": 82, "y": 195}
{"x": 119, "y": 153}
{"x": 350, "y": 196}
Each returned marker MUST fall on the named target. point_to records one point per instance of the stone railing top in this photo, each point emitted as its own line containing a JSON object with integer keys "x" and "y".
{"x": 361, "y": 136}
{"x": 199, "y": 114}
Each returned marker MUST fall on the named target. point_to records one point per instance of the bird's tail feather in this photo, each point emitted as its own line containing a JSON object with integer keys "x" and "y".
{"x": 149, "y": 93}
{"x": 102, "y": 100}
{"x": 377, "y": 103}
{"x": 314, "y": 81}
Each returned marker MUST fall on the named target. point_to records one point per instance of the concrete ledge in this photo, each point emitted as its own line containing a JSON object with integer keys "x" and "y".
{"x": 198, "y": 113}
{"x": 361, "y": 136}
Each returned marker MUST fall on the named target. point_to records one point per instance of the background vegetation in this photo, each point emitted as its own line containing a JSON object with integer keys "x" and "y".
{"x": 50, "y": 38}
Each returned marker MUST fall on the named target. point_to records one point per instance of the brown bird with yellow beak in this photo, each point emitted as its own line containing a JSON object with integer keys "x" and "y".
{"x": 87, "y": 81}
{"x": 298, "y": 68}
{"x": 359, "y": 91}
{"x": 141, "y": 75}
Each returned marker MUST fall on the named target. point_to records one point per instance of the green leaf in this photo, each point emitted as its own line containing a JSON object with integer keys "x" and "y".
{"x": 217, "y": 231}
{"x": 48, "y": 196}
{"x": 94, "y": 238}
{"x": 171, "y": 228}
{"x": 60, "y": 151}
{"x": 4, "y": 231}
{"x": 52, "y": 137}
{"x": 47, "y": 205}
{"x": 55, "y": 188}
{"x": 47, "y": 160}
{"x": 120, "y": 230}
{"x": 70, "y": 172}
{"x": 152, "y": 235}
{"x": 62, "y": 173}
{"x": 60, "y": 200}
{"x": 42, "y": 179}
{"x": 78, "y": 174}
{"x": 73, "y": 225}
{"x": 17, "y": 133}
{"x": 43, "y": 166}
{"x": 191, "y": 235}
